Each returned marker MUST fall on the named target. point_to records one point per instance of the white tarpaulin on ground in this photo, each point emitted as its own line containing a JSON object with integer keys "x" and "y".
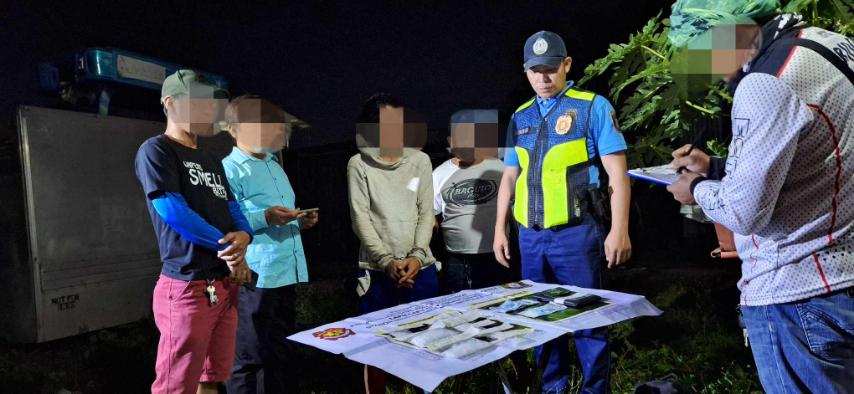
{"x": 428, "y": 341}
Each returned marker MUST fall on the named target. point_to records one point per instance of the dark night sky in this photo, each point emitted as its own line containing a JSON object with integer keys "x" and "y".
{"x": 321, "y": 60}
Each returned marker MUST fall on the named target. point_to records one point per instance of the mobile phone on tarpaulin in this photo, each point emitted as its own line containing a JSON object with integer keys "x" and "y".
{"x": 579, "y": 302}
{"x": 572, "y": 301}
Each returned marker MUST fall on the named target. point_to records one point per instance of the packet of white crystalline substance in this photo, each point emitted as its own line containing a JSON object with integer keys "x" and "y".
{"x": 427, "y": 337}
{"x": 474, "y": 345}
{"x": 481, "y": 328}
{"x": 467, "y": 347}
{"x": 484, "y": 333}
{"x": 405, "y": 334}
{"x": 542, "y": 310}
{"x": 454, "y": 319}
{"x": 476, "y": 324}
{"x": 503, "y": 336}
{"x": 512, "y": 305}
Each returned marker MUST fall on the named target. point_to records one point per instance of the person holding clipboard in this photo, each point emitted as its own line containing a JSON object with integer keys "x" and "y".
{"x": 785, "y": 188}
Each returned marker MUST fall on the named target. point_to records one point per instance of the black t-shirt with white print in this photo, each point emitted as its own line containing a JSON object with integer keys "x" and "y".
{"x": 166, "y": 166}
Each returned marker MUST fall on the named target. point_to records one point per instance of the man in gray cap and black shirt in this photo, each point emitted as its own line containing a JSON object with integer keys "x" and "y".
{"x": 556, "y": 140}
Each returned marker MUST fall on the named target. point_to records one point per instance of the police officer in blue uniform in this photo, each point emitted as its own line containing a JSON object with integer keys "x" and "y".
{"x": 556, "y": 141}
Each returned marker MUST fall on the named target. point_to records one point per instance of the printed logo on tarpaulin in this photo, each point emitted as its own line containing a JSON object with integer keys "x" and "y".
{"x": 334, "y": 333}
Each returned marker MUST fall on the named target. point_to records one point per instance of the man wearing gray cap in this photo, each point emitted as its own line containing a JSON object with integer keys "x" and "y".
{"x": 558, "y": 139}
{"x": 202, "y": 235}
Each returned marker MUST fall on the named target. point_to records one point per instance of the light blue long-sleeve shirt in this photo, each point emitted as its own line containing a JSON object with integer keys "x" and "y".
{"x": 276, "y": 253}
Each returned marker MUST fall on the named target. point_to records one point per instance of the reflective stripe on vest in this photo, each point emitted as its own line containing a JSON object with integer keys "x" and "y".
{"x": 557, "y": 188}
{"x": 520, "y": 206}
{"x": 562, "y": 170}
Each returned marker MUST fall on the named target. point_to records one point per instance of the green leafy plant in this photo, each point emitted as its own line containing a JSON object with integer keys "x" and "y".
{"x": 835, "y": 15}
{"x": 653, "y": 109}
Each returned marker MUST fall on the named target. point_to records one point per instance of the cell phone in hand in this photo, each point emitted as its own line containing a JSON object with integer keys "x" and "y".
{"x": 310, "y": 210}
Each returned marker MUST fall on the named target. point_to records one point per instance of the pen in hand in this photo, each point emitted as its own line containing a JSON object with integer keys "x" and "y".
{"x": 701, "y": 127}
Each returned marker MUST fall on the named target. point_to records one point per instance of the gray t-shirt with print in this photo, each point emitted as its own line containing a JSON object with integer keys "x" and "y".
{"x": 466, "y": 199}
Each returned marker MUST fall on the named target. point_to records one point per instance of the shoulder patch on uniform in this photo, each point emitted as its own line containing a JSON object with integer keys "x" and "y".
{"x": 525, "y": 105}
{"x": 580, "y": 94}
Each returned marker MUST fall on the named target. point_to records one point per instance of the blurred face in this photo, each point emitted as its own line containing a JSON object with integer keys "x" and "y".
{"x": 398, "y": 128}
{"x": 196, "y": 115}
{"x": 548, "y": 81}
{"x": 472, "y": 142}
{"x": 716, "y": 54}
{"x": 391, "y": 128}
{"x": 260, "y": 138}
{"x": 727, "y": 61}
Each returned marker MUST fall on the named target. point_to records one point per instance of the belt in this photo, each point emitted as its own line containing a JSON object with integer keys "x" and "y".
{"x": 538, "y": 227}
{"x": 589, "y": 199}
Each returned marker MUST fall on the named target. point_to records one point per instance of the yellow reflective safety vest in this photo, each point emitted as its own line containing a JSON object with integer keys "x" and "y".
{"x": 553, "y": 152}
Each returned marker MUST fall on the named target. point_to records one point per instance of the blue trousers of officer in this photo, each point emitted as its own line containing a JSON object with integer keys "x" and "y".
{"x": 571, "y": 255}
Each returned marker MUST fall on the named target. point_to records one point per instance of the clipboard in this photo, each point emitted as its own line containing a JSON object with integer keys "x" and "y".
{"x": 660, "y": 175}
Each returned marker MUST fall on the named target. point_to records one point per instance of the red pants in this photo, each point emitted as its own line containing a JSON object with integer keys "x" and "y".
{"x": 196, "y": 338}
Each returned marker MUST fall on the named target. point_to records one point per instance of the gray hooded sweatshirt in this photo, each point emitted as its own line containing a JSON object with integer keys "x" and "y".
{"x": 391, "y": 206}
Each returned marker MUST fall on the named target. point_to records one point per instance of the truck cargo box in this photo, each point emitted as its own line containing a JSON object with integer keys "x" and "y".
{"x": 78, "y": 248}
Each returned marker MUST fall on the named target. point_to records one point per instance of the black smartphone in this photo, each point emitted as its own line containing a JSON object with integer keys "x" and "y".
{"x": 582, "y": 301}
